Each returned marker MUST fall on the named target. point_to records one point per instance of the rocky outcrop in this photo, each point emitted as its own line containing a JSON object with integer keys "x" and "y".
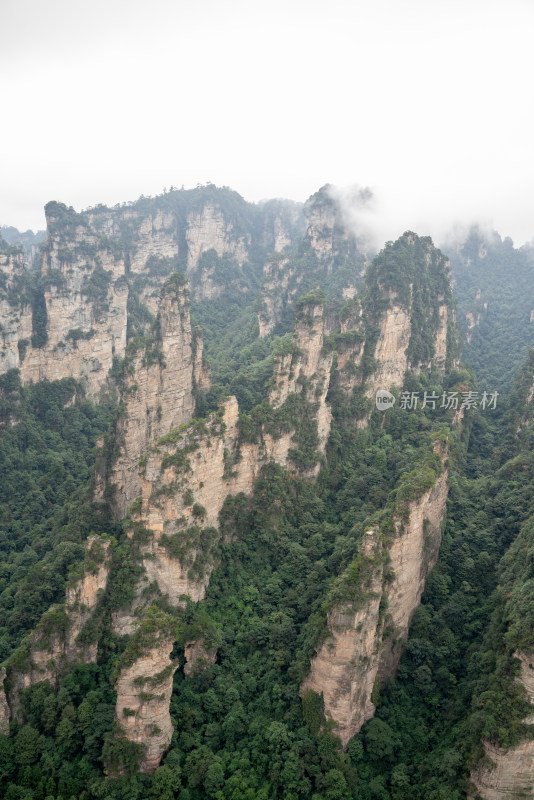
{"x": 144, "y": 688}
{"x": 197, "y": 657}
{"x": 181, "y": 474}
{"x": 330, "y": 256}
{"x": 411, "y": 310}
{"x": 391, "y": 354}
{"x": 345, "y": 667}
{"x": 64, "y": 636}
{"x": 4, "y": 707}
{"x": 208, "y": 229}
{"x": 334, "y": 232}
{"x": 367, "y": 635}
{"x": 72, "y": 321}
{"x": 157, "y": 393}
{"x": 306, "y": 369}
{"x": 12, "y": 273}
{"x": 143, "y": 233}
{"x": 278, "y": 274}
{"x": 509, "y": 774}
{"x": 472, "y": 319}
{"x": 77, "y": 321}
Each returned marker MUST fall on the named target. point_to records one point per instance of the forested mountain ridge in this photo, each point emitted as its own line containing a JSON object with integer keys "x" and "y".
{"x": 207, "y": 608}
{"x": 95, "y": 269}
{"x": 493, "y": 285}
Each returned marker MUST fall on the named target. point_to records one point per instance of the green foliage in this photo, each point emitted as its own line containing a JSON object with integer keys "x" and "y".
{"x": 418, "y": 276}
{"x": 175, "y": 282}
{"x": 76, "y": 334}
{"x": 493, "y": 282}
{"x": 155, "y": 628}
{"x": 281, "y": 558}
{"x": 95, "y": 288}
{"x": 195, "y": 547}
{"x": 39, "y": 318}
{"x": 121, "y": 756}
{"x": 46, "y": 462}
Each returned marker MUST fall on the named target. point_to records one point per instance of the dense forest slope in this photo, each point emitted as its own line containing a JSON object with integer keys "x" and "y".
{"x": 226, "y": 571}
{"x": 493, "y": 285}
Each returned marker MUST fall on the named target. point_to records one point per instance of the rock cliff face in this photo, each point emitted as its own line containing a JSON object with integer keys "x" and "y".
{"x": 366, "y": 640}
{"x": 197, "y": 657}
{"x": 328, "y": 256}
{"x": 188, "y": 470}
{"x": 157, "y": 392}
{"x": 182, "y": 471}
{"x": 12, "y": 272}
{"x": 63, "y": 638}
{"x": 417, "y": 328}
{"x": 208, "y": 229}
{"x": 143, "y": 696}
{"x": 391, "y": 350}
{"x": 345, "y": 667}
{"x": 4, "y": 707}
{"x": 509, "y": 774}
{"x": 143, "y": 233}
{"x": 331, "y": 232}
{"x": 277, "y": 291}
{"x": 77, "y": 321}
{"x": 71, "y": 321}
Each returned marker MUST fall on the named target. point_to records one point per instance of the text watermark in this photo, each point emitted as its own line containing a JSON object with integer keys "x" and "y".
{"x": 447, "y": 400}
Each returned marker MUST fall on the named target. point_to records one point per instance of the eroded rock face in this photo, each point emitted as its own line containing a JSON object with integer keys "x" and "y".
{"x": 143, "y": 696}
{"x": 85, "y": 304}
{"x": 391, "y": 350}
{"x": 275, "y": 292}
{"x": 12, "y": 270}
{"x": 198, "y": 657}
{"x": 208, "y": 229}
{"x": 4, "y": 708}
{"x": 158, "y": 396}
{"x": 345, "y": 668}
{"x": 187, "y": 474}
{"x": 307, "y": 368}
{"x": 359, "y": 652}
{"x": 332, "y": 230}
{"x": 91, "y": 262}
{"x": 413, "y": 553}
{"x": 55, "y": 645}
{"x": 509, "y": 774}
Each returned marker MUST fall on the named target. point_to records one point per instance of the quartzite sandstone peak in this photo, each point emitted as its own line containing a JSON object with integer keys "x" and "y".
{"x": 170, "y": 474}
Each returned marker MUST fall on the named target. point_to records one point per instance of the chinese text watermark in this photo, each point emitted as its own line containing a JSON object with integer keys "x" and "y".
{"x": 410, "y": 401}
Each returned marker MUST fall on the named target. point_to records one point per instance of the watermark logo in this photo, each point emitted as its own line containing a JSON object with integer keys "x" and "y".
{"x": 384, "y": 400}
{"x": 410, "y": 401}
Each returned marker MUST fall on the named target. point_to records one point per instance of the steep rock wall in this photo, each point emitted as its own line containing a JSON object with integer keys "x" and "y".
{"x": 391, "y": 350}
{"x": 54, "y": 646}
{"x": 85, "y": 303}
{"x": 181, "y": 473}
{"x": 345, "y": 667}
{"x": 509, "y": 774}
{"x": 4, "y": 707}
{"x": 197, "y": 657}
{"x": 12, "y": 271}
{"x": 366, "y": 644}
{"x": 144, "y": 691}
{"x": 307, "y": 368}
{"x": 275, "y": 293}
{"x": 208, "y": 229}
{"x": 158, "y": 395}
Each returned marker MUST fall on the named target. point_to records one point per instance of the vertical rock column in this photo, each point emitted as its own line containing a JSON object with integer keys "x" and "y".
{"x": 392, "y": 572}
{"x": 157, "y": 393}
{"x": 144, "y": 687}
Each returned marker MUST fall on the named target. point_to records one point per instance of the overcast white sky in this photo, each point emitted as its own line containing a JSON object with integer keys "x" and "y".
{"x": 429, "y": 102}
